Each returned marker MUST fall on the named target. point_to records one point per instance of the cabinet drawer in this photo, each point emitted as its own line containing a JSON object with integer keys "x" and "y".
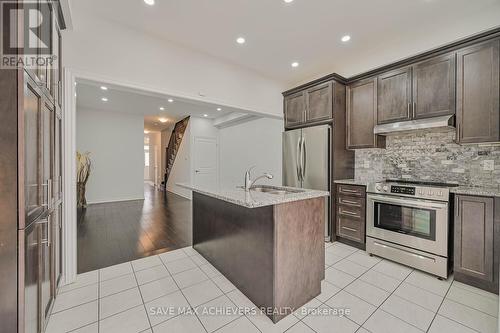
{"x": 350, "y": 228}
{"x": 356, "y": 213}
{"x": 358, "y": 191}
{"x": 350, "y": 201}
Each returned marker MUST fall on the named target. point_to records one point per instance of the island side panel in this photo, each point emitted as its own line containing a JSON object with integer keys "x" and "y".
{"x": 300, "y": 252}
{"x": 239, "y": 242}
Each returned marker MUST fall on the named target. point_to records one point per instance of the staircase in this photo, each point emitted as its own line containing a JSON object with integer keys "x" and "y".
{"x": 173, "y": 146}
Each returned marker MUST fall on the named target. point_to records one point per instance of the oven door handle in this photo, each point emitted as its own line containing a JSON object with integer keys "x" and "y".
{"x": 413, "y": 203}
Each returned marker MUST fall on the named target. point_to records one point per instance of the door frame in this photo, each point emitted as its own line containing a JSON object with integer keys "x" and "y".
{"x": 194, "y": 154}
{"x": 70, "y": 76}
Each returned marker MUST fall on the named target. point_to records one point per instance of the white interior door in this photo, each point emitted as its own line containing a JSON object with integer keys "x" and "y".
{"x": 205, "y": 162}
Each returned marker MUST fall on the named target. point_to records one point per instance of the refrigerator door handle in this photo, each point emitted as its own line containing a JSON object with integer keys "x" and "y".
{"x": 304, "y": 157}
{"x": 299, "y": 152}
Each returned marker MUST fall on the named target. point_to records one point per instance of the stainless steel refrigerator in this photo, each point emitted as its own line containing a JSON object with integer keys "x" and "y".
{"x": 306, "y": 161}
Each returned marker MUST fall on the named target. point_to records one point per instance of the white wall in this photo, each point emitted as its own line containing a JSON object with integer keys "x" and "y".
{"x": 116, "y": 143}
{"x": 256, "y": 142}
{"x": 119, "y": 54}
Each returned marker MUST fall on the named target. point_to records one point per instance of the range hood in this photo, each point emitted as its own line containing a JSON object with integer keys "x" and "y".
{"x": 434, "y": 123}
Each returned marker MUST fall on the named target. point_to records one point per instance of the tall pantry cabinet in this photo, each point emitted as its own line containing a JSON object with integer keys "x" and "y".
{"x": 31, "y": 179}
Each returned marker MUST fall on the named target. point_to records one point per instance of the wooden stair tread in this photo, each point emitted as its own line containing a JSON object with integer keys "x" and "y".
{"x": 174, "y": 144}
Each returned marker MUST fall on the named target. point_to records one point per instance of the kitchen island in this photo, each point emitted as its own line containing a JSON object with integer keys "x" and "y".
{"x": 269, "y": 242}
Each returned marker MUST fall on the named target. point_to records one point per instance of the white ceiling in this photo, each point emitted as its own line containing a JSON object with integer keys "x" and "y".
{"x": 307, "y": 31}
{"x": 131, "y": 101}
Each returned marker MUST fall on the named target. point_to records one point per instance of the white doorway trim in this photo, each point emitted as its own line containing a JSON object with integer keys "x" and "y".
{"x": 69, "y": 240}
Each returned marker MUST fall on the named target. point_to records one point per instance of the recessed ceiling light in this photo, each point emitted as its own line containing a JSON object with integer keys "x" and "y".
{"x": 219, "y": 109}
{"x": 146, "y": 132}
{"x": 288, "y": 1}
{"x": 149, "y": 2}
{"x": 163, "y": 120}
{"x": 240, "y": 40}
{"x": 104, "y": 99}
{"x": 295, "y": 64}
{"x": 170, "y": 100}
{"x": 162, "y": 108}
{"x": 205, "y": 115}
{"x": 104, "y": 88}
{"x": 346, "y": 38}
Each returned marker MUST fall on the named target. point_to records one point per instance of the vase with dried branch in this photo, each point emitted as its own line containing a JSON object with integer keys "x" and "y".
{"x": 84, "y": 166}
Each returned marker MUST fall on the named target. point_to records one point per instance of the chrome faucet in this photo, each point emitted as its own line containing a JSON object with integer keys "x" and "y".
{"x": 249, "y": 182}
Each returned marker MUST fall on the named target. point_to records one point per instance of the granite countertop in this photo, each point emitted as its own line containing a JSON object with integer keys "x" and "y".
{"x": 352, "y": 182}
{"x": 480, "y": 191}
{"x": 254, "y": 199}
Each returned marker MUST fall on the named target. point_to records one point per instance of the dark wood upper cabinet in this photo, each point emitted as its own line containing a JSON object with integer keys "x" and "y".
{"x": 394, "y": 96}
{"x": 462, "y": 79}
{"x": 475, "y": 261}
{"x": 362, "y": 115}
{"x": 434, "y": 87}
{"x": 295, "y": 109}
{"x": 314, "y": 104}
{"x": 478, "y": 92}
{"x": 319, "y": 102}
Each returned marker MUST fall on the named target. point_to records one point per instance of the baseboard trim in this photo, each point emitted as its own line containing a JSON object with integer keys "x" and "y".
{"x": 114, "y": 200}
{"x": 178, "y": 193}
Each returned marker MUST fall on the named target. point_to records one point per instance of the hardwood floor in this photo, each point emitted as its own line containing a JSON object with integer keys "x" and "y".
{"x": 114, "y": 233}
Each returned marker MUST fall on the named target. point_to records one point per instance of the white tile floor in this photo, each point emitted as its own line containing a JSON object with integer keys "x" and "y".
{"x": 374, "y": 295}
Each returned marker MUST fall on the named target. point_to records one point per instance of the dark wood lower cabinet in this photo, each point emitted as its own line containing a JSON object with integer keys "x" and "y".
{"x": 350, "y": 214}
{"x": 274, "y": 254}
{"x": 477, "y": 241}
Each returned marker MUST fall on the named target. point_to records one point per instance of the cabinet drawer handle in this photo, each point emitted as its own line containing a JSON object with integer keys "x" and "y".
{"x": 348, "y": 191}
{"x": 349, "y": 229}
{"x": 349, "y": 202}
{"x": 349, "y": 213}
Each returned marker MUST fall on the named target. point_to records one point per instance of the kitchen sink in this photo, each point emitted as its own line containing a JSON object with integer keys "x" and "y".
{"x": 271, "y": 190}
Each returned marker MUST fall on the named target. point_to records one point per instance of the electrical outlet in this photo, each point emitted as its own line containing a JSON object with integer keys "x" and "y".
{"x": 366, "y": 165}
{"x": 489, "y": 165}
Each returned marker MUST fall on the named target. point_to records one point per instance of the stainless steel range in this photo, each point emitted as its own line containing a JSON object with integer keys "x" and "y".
{"x": 408, "y": 222}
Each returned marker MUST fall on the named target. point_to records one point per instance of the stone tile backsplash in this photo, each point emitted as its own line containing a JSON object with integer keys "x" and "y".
{"x": 430, "y": 156}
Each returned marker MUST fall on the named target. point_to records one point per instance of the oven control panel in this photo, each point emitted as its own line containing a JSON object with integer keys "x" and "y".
{"x": 403, "y": 190}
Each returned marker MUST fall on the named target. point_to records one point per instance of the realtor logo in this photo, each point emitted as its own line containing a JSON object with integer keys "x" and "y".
{"x": 33, "y": 47}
